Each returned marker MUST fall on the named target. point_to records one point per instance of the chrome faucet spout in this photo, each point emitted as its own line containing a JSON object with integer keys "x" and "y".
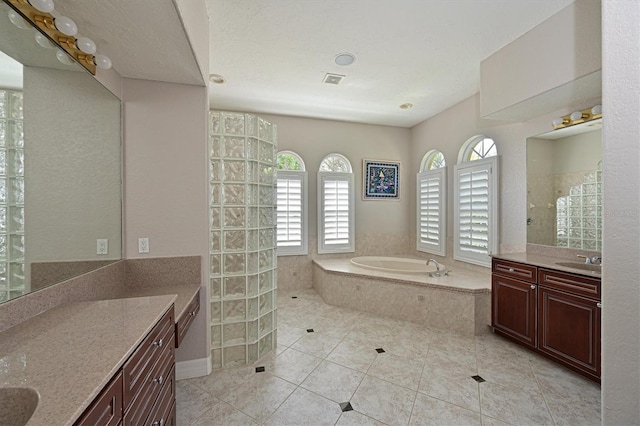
{"x": 435, "y": 262}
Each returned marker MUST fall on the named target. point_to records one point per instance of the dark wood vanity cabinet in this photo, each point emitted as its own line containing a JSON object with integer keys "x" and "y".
{"x": 554, "y": 313}
{"x": 143, "y": 391}
{"x": 185, "y": 320}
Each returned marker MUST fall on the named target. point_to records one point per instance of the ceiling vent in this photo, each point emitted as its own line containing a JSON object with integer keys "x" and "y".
{"x": 332, "y": 78}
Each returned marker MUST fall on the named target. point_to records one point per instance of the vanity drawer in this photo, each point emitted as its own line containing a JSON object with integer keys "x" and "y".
{"x": 161, "y": 410}
{"x": 515, "y": 270}
{"x": 107, "y": 408}
{"x": 138, "y": 367}
{"x": 573, "y": 283}
{"x": 184, "y": 322}
{"x": 161, "y": 376}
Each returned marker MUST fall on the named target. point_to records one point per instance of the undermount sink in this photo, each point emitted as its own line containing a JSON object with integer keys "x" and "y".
{"x": 17, "y": 405}
{"x": 583, "y": 266}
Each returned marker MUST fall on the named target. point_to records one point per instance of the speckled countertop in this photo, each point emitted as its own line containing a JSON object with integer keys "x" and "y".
{"x": 459, "y": 280}
{"x": 184, "y": 294}
{"x": 549, "y": 262}
{"x": 69, "y": 353}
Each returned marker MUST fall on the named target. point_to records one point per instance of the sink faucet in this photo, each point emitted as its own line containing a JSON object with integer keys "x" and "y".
{"x": 594, "y": 260}
{"x": 438, "y": 265}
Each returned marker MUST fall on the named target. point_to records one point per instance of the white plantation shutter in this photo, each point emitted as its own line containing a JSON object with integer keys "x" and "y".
{"x": 431, "y": 214}
{"x": 476, "y": 211}
{"x": 335, "y": 212}
{"x": 291, "y": 217}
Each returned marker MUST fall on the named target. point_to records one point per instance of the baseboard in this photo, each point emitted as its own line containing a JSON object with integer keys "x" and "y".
{"x": 193, "y": 368}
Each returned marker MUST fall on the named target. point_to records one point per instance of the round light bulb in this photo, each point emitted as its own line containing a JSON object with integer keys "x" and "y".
{"x": 558, "y": 121}
{"x": 86, "y": 45}
{"x": 45, "y": 6}
{"x": 43, "y": 41}
{"x": 66, "y": 26}
{"x": 102, "y": 61}
{"x": 596, "y": 110}
{"x": 64, "y": 58}
{"x": 577, "y": 115}
{"x": 18, "y": 20}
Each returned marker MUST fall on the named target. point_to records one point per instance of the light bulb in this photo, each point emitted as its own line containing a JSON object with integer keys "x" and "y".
{"x": 86, "y": 45}
{"x": 43, "y": 41}
{"x": 64, "y": 58}
{"x": 66, "y": 26}
{"x": 558, "y": 121}
{"x": 576, "y": 115}
{"x": 18, "y": 20}
{"x": 102, "y": 61}
{"x": 596, "y": 110}
{"x": 45, "y": 6}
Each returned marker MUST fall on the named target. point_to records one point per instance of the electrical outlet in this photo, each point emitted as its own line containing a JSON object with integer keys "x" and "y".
{"x": 143, "y": 245}
{"x": 102, "y": 246}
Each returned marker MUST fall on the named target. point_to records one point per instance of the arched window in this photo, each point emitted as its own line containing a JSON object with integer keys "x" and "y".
{"x": 432, "y": 201}
{"x": 476, "y": 194}
{"x": 291, "y": 204}
{"x": 335, "y": 205}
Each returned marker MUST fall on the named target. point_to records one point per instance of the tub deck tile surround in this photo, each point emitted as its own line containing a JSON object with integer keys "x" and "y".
{"x": 460, "y": 302}
{"x": 69, "y": 353}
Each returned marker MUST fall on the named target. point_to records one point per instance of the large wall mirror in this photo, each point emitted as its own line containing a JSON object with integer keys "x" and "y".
{"x": 564, "y": 187}
{"x": 60, "y": 164}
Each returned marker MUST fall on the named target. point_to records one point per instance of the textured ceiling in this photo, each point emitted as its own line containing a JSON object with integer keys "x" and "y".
{"x": 274, "y": 54}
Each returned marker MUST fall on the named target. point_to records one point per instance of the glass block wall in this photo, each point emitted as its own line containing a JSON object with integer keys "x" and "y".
{"x": 12, "y": 272}
{"x": 579, "y": 215}
{"x": 242, "y": 152}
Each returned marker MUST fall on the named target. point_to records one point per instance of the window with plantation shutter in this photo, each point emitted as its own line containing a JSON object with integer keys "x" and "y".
{"x": 431, "y": 214}
{"x": 335, "y": 206}
{"x": 291, "y": 205}
{"x": 476, "y": 210}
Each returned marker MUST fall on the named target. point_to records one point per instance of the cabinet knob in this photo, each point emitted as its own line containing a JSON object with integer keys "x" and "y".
{"x": 193, "y": 314}
{"x": 158, "y": 380}
{"x": 159, "y": 422}
{"x": 599, "y": 304}
{"x": 533, "y": 287}
{"x": 158, "y": 343}
{"x": 511, "y": 269}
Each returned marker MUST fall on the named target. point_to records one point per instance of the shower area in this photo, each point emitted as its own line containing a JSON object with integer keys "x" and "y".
{"x": 243, "y": 289}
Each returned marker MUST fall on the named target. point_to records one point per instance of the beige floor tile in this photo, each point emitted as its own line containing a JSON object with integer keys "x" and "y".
{"x": 445, "y": 358}
{"x": 260, "y": 396}
{"x": 288, "y": 334}
{"x": 431, "y": 411}
{"x": 384, "y": 401}
{"x": 490, "y": 421}
{"x": 519, "y": 406}
{"x": 222, "y": 414}
{"x": 293, "y": 366}
{"x": 317, "y": 344}
{"x": 354, "y": 355}
{"x": 333, "y": 381}
{"x": 220, "y": 382}
{"x": 453, "y": 386}
{"x": 400, "y": 371}
{"x": 354, "y": 418}
{"x": 192, "y": 402}
{"x": 305, "y": 408}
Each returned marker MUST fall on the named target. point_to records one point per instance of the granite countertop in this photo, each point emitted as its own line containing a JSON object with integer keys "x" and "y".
{"x": 549, "y": 262}
{"x": 69, "y": 353}
{"x": 459, "y": 280}
{"x": 183, "y": 292}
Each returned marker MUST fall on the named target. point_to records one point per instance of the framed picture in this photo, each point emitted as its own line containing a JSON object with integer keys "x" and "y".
{"x": 381, "y": 180}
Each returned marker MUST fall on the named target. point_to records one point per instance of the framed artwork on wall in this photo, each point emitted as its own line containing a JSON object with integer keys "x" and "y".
{"x": 381, "y": 180}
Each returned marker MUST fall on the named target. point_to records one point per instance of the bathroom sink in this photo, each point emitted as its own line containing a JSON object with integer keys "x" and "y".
{"x": 583, "y": 266}
{"x": 17, "y": 405}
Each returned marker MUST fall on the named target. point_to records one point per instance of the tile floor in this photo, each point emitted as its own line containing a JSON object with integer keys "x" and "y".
{"x": 383, "y": 371}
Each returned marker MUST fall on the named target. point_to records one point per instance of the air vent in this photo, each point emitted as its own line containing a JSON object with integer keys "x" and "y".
{"x": 333, "y": 78}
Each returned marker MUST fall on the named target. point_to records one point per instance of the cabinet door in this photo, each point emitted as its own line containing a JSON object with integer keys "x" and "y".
{"x": 569, "y": 329}
{"x": 513, "y": 305}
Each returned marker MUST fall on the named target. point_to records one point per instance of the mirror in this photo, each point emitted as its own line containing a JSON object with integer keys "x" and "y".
{"x": 60, "y": 164}
{"x": 564, "y": 189}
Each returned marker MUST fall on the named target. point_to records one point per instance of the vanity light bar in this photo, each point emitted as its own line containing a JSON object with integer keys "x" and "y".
{"x": 62, "y": 35}
{"x": 578, "y": 117}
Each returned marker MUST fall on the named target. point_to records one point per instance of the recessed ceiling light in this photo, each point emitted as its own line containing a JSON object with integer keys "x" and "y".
{"x": 406, "y": 106}
{"x": 216, "y": 78}
{"x": 344, "y": 59}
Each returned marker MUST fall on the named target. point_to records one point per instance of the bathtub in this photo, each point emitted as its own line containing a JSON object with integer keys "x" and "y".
{"x": 401, "y": 288}
{"x": 398, "y": 265}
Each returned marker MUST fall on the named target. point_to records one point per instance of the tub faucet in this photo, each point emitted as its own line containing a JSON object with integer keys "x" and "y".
{"x": 435, "y": 262}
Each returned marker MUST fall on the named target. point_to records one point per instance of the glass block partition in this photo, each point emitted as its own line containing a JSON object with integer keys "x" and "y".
{"x": 12, "y": 272}
{"x": 579, "y": 215}
{"x": 243, "y": 292}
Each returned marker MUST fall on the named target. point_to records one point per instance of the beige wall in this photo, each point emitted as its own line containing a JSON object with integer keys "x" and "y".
{"x": 577, "y": 153}
{"x": 621, "y": 179}
{"x": 165, "y": 191}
